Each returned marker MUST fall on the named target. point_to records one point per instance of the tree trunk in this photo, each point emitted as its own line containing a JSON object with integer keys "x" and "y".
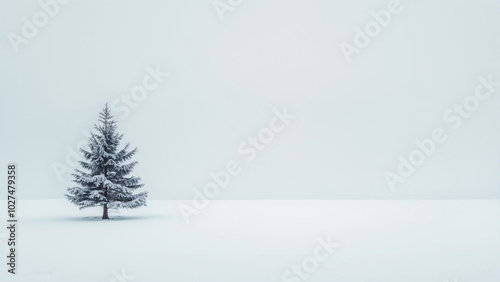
{"x": 105, "y": 213}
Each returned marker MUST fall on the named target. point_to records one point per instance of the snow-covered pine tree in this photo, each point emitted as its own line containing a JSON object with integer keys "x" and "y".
{"x": 106, "y": 181}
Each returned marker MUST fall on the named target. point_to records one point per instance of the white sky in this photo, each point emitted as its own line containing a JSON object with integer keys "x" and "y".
{"x": 352, "y": 120}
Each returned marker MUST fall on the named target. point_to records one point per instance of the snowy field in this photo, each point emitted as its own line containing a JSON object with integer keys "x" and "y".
{"x": 257, "y": 241}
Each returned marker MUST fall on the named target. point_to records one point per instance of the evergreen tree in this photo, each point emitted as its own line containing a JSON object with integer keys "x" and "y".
{"x": 106, "y": 181}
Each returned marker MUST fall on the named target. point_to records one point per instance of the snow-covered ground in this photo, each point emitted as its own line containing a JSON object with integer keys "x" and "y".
{"x": 257, "y": 241}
